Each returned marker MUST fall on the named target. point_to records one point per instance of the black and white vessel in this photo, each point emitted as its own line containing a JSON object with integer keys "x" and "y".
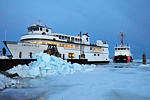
{"x": 122, "y": 53}
{"x": 70, "y": 47}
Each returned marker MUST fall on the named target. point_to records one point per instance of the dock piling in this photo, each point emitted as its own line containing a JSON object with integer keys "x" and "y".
{"x": 144, "y": 58}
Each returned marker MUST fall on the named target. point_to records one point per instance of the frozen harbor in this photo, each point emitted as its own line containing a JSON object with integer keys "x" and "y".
{"x": 103, "y": 82}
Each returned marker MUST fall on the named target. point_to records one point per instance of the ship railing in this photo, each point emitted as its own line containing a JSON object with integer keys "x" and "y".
{"x": 92, "y": 44}
{"x": 34, "y": 34}
{"x": 105, "y": 42}
{"x": 24, "y": 34}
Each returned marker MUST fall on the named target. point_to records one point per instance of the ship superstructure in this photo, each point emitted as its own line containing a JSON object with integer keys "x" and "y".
{"x": 122, "y": 53}
{"x": 70, "y": 47}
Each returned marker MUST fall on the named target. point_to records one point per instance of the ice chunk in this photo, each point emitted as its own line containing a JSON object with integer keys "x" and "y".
{"x": 6, "y": 82}
{"x": 47, "y": 65}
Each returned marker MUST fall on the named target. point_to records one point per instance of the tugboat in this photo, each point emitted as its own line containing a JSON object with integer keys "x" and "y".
{"x": 122, "y": 53}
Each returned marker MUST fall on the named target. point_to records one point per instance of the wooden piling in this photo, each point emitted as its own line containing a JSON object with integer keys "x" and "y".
{"x": 144, "y": 58}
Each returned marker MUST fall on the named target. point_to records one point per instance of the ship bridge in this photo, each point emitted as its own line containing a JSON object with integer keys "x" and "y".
{"x": 38, "y": 29}
{"x": 38, "y": 34}
{"x": 122, "y": 50}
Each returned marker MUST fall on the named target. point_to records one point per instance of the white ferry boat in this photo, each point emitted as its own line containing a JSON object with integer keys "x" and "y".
{"x": 76, "y": 48}
{"x": 122, "y": 53}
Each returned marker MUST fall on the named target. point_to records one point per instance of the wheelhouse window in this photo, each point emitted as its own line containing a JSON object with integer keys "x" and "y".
{"x": 87, "y": 39}
{"x": 36, "y": 28}
{"x": 68, "y": 38}
{"x": 60, "y": 37}
{"x": 47, "y": 30}
{"x": 80, "y": 40}
{"x": 40, "y": 28}
{"x": 33, "y": 29}
{"x": 75, "y": 39}
{"x": 72, "y": 39}
{"x": 63, "y": 37}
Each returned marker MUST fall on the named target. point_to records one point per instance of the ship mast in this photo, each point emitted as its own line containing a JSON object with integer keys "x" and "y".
{"x": 39, "y": 22}
{"x": 122, "y": 39}
{"x": 80, "y": 46}
{"x": 5, "y": 35}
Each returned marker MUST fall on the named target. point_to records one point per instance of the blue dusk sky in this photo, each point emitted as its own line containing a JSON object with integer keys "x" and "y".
{"x": 102, "y": 19}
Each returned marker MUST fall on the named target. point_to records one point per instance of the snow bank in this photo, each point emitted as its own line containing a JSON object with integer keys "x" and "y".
{"x": 6, "y": 82}
{"x": 47, "y": 65}
{"x": 141, "y": 60}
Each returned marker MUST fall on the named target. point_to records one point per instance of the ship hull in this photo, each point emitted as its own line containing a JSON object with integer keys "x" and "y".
{"x": 122, "y": 59}
{"x": 7, "y": 64}
{"x": 85, "y": 61}
{"x": 91, "y": 57}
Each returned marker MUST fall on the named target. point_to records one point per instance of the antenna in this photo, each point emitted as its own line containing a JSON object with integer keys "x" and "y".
{"x": 5, "y": 35}
{"x": 39, "y": 22}
{"x": 122, "y": 39}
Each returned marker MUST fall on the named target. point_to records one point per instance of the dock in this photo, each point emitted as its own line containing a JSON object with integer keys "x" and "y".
{"x": 6, "y": 64}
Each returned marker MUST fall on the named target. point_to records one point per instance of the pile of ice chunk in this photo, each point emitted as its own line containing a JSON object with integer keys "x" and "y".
{"x": 47, "y": 65}
{"x": 6, "y": 82}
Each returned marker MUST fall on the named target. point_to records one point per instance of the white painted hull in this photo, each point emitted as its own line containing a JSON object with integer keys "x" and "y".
{"x": 26, "y": 48}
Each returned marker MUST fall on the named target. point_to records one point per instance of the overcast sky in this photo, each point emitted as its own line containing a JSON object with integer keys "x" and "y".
{"x": 102, "y": 19}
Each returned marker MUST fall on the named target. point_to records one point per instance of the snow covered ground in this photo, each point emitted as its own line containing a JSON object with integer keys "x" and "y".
{"x": 45, "y": 65}
{"x": 7, "y": 82}
{"x": 103, "y": 82}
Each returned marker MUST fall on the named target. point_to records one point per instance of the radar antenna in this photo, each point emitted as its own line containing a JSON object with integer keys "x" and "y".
{"x": 122, "y": 39}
